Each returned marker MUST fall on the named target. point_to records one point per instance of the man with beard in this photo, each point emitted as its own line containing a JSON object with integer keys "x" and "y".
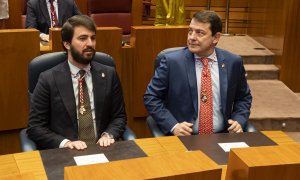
{"x": 78, "y": 102}
{"x": 200, "y": 89}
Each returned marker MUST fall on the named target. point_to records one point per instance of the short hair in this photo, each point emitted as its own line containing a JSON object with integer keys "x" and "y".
{"x": 210, "y": 17}
{"x": 67, "y": 30}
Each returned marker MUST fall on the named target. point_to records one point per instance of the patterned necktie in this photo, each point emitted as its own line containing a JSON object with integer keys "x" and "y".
{"x": 86, "y": 127}
{"x": 53, "y": 14}
{"x": 206, "y": 100}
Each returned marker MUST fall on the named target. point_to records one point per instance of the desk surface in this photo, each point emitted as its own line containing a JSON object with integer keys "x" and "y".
{"x": 30, "y": 162}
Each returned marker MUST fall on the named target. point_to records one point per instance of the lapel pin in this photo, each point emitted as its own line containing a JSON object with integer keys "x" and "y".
{"x": 223, "y": 65}
{"x": 103, "y": 75}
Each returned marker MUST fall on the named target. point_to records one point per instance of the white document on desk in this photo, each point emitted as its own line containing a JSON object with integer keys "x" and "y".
{"x": 90, "y": 159}
{"x": 227, "y": 146}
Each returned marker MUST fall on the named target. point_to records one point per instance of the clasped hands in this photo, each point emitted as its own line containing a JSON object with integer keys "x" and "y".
{"x": 185, "y": 128}
{"x": 104, "y": 141}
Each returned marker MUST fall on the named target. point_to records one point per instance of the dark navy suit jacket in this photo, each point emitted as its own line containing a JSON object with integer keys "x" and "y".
{"x": 172, "y": 97}
{"x": 37, "y": 15}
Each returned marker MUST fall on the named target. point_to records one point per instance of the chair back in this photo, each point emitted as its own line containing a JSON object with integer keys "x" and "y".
{"x": 47, "y": 61}
{"x": 116, "y": 13}
{"x": 162, "y": 53}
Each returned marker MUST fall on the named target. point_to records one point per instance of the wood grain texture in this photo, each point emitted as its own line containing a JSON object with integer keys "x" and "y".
{"x": 238, "y": 14}
{"x": 265, "y": 162}
{"x": 279, "y": 137}
{"x": 167, "y": 166}
{"x": 148, "y": 41}
{"x": 272, "y": 23}
{"x": 20, "y": 47}
{"x": 109, "y": 40}
{"x": 8, "y": 166}
{"x": 55, "y": 43}
{"x": 31, "y": 162}
{"x": 9, "y": 141}
{"x": 82, "y": 5}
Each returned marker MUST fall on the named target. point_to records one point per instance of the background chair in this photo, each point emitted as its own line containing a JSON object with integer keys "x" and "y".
{"x": 47, "y": 61}
{"x": 112, "y": 13}
{"x": 155, "y": 130}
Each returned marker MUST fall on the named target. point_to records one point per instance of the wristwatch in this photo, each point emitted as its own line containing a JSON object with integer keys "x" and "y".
{"x": 105, "y": 134}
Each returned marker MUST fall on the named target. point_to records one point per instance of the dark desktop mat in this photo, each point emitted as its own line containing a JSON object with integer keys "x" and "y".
{"x": 209, "y": 143}
{"x": 55, "y": 160}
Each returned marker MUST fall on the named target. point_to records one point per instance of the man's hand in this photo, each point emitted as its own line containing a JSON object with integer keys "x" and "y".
{"x": 44, "y": 37}
{"x": 78, "y": 145}
{"x": 105, "y": 141}
{"x": 183, "y": 129}
{"x": 235, "y": 127}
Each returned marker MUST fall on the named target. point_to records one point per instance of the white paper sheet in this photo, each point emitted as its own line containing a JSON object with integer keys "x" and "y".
{"x": 227, "y": 146}
{"x": 90, "y": 159}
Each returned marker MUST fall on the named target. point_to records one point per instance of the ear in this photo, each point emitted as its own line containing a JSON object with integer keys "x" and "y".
{"x": 66, "y": 45}
{"x": 216, "y": 38}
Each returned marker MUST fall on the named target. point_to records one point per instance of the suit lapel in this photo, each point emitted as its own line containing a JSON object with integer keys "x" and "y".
{"x": 45, "y": 12}
{"x": 60, "y": 7}
{"x": 223, "y": 79}
{"x": 64, "y": 84}
{"x": 191, "y": 75}
{"x": 99, "y": 78}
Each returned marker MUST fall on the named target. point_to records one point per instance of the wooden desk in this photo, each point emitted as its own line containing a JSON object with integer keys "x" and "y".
{"x": 22, "y": 163}
{"x": 16, "y": 164}
{"x": 168, "y": 166}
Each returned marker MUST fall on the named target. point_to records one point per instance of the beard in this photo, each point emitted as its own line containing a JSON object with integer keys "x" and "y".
{"x": 79, "y": 58}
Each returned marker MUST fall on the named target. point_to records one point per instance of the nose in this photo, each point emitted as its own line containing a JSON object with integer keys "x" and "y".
{"x": 89, "y": 42}
{"x": 192, "y": 35}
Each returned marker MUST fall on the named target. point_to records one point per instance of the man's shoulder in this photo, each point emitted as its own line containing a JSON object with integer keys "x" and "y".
{"x": 59, "y": 67}
{"x": 174, "y": 54}
{"x": 174, "y": 51}
{"x": 99, "y": 67}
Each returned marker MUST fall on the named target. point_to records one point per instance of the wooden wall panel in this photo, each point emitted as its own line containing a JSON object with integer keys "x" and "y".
{"x": 137, "y": 12}
{"x": 290, "y": 59}
{"x": 19, "y": 47}
{"x": 82, "y": 5}
{"x": 9, "y": 142}
{"x": 109, "y": 40}
{"x": 148, "y": 42}
{"x": 267, "y": 22}
{"x": 14, "y": 21}
{"x": 274, "y": 23}
{"x": 238, "y": 15}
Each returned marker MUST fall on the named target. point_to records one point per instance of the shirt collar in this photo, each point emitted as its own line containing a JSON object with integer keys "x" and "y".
{"x": 75, "y": 70}
{"x": 213, "y": 56}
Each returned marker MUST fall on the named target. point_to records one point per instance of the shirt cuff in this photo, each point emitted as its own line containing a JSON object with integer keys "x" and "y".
{"x": 105, "y": 134}
{"x": 173, "y": 128}
{"x": 62, "y": 144}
